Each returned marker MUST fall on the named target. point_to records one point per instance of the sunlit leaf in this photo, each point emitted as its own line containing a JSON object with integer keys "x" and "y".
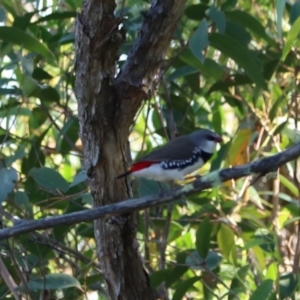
{"x": 263, "y": 291}
{"x": 289, "y": 185}
{"x": 272, "y": 271}
{"x": 226, "y": 242}
{"x": 291, "y": 38}
{"x": 237, "y": 154}
{"x": 238, "y": 282}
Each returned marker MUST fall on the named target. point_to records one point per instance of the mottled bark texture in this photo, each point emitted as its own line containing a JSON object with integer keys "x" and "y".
{"x": 107, "y": 104}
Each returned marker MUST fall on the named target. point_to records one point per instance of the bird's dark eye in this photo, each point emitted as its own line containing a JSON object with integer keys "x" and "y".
{"x": 210, "y": 137}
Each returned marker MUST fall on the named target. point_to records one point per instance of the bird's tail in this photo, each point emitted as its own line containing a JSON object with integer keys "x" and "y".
{"x": 123, "y": 175}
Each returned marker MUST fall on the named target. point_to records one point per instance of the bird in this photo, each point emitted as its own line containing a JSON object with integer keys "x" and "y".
{"x": 178, "y": 158}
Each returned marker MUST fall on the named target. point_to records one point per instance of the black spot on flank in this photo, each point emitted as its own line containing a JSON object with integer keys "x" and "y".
{"x": 182, "y": 164}
{"x": 206, "y": 156}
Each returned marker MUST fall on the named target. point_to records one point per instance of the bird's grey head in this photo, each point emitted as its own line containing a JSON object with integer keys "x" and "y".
{"x": 205, "y": 139}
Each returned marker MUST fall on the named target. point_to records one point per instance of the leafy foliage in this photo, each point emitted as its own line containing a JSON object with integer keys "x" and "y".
{"x": 231, "y": 67}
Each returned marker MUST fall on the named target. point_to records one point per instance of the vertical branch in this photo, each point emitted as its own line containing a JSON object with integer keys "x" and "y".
{"x": 107, "y": 105}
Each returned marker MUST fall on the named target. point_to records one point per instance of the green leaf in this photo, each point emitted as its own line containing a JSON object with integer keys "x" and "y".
{"x": 87, "y": 198}
{"x": 263, "y": 291}
{"x": 196, "y": 262}
{"x": 275, "y": 106}
{"x": 199, "y": 40}
{"x": 80, "y": 177}
{"x": 68, "y": 136}
{"x": 292, "y": 36}
{"x": 2, "y": 14}
{"x": 238, "y": 282}
{"x": 294, "y": 136}
{"x": 295, "y": 12}
{"x": 226, "y": 242}
{"x": 57, "y": 16}
{"x": 279, "y": 128}
{"x": 232, "y": 48}
{"x": 27, "y": 64}
{"x": 36, "y": 157}
{"x": 50, "y": 180}
{"x": 289, "y": 185}
{"x": 196, "y": 12}
{"x": 53, "y": 282}
{"x": 208, "y": 68}
{"x": 183, "y": 287}
{"x": 268, "y": 241}
{"x": 85, "y": 230}
{"x": 203, "y": 237}
{"x": 290, "y": 221}
{"x": 21, "y": 198}
{"x": 228, "y": 5}
{"x": 8, "y": 179}
{"x": 29, "y": 86}
{"x": 38, "y": 117}
{"x": 213, "y": 260}
{"x": 287, "y": 284}
{"x": 158, "y": 277}
{"x": 182, "y": 72}
{"x": 218, "y": 17}
{"x": 250, "y": 22}
{"x": 22, "y": 22}
{"x": 19, "y": 37}
{"x": 177, "y": 272}
{"x": 40, "y": 74}
{"x": 272, "y": 271}
{"x": 238, "y": 32}
{"x": 49, "y": 94}
{"x": 148, "y": 187}
{"x": 280, "y": 4}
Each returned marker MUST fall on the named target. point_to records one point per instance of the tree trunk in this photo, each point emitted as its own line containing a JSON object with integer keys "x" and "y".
{"x": 106, "y": 108}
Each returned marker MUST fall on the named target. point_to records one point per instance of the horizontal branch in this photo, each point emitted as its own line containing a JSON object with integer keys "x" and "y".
{"x": 215, "y": 178}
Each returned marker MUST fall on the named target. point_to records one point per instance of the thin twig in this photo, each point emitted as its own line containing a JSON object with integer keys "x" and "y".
{"x": 9, "y": 280}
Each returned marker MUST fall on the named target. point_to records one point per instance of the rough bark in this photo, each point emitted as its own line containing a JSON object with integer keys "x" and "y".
{"x": 106, "y": 108}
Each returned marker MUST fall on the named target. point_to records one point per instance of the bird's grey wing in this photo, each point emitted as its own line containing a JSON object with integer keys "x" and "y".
{"x": 177, "y": 149}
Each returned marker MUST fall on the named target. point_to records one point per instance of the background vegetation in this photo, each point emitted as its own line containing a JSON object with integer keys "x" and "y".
{"x": 232, "y": 66}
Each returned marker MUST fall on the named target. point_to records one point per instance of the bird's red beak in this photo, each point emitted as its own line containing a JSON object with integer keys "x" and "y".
{"x": 219, "y": 139}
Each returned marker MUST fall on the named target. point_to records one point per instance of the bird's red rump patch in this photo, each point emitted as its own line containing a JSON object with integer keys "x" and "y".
{"x": 141, "y": 165}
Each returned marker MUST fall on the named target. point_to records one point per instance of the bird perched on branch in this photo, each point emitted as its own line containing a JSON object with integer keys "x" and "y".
{"x": 176, "y": 159}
